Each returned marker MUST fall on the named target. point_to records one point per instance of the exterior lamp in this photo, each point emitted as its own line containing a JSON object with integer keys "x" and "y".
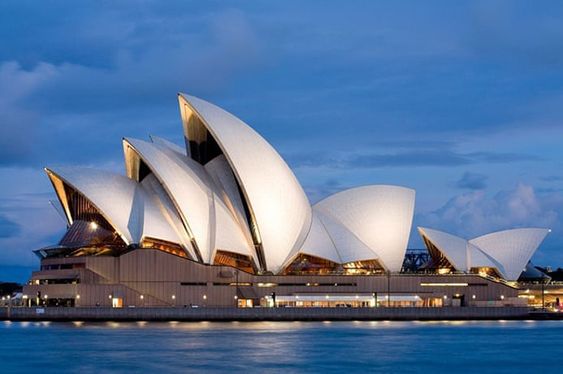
{"x": 78, "y": 296}
{"x": 142, "y": 297}
{"x": 173, "y": 297}
{"x": 109, "y": 296}
{"x": 204, "y": 297}
{"x": 445, "y": 297}
{"x": 473, "y": 297}
{"x": 502, "y": 297}
{"x": 93, "y": 225}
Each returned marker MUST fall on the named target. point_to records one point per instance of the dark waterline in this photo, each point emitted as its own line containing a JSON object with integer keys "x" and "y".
{"x": 499, "y": 347}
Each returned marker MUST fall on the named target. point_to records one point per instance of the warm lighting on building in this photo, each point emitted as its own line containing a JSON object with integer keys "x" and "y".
{"x": 473, "y": 297}
{"x": 142, "y": 297}
{"x": 204, "y": 297}
{"x": 444, "y": 284}
{"x": 269, "y": 284}
{"x": 445, "y": 297}
{"x": 77, "y": 296}
{"x": 93, "y": 225}
{"x": 502, "y": 297}
{"x": 444, "y": 271}
{"x": 173, "y": 297}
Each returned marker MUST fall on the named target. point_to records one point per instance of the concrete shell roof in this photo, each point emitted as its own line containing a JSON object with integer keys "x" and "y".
{"x": 380, "y": 216}
{"x": 512, "y": 248}
{"x": 124, "y": 203}
{"x": 452, "y": 247}
{"x": 278, "y": 203}
{"x": 508, "y": 251}
{"x": 194, "y": 195}
{"x": 112, "y": 194}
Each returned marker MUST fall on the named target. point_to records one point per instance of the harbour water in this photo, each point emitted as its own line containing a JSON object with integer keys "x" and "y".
{"x": 485, "y": 346}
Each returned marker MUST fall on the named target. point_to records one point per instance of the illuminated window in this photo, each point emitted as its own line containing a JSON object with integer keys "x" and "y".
{"x": 306, "y": 264}
{"x": 163, "y": 245}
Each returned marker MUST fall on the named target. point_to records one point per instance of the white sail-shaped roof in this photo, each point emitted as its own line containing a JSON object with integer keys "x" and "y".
{"x": 379, "y": 215}
{"x": 112, "y": 194}
{"x": 452, "y": 247}
{"x": 476, "y": 258}
{"x": 318, "y": 243}
{"x": 507, "y": 251}
{"x": 276, "y": 201}
{"x": 207, "y": 218}
{"x": 222, "y": 175}
{"x": 512, "y": 248}
{"x": 130, "y": 208}
{"x": 168, "y": 144}
{"x": 190, "y": 195}
{"x": 350, "y": 248}
{"x": 160, "y": 217}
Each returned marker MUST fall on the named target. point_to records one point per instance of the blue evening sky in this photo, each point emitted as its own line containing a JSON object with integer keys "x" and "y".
{"x": 462, "y": 101}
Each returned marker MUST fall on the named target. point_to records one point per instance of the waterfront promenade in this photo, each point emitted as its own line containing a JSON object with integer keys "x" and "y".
{"x": 265, "y": 314}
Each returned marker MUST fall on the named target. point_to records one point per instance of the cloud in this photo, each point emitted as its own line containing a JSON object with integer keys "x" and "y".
{"x": 552, "y": 178}
{"x": 475, "y": 213}
{"x": 412, "y": 158}
{"x": 517, "y": 32}
{"x": 8, "y": 228}
{"x": 472, "y": 181}
{"x": 50, "y": 109}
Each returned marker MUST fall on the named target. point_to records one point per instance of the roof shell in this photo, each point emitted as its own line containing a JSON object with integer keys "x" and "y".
{"x": 380, "y": 216}
{"x": 130, "y": 207}
{"x": 512, "y": 248}
{"x": 452, "y": 247}
{"x": 275, "y": 198}
{"x": 112, "y": 194}
{"x": 194, "y": 195}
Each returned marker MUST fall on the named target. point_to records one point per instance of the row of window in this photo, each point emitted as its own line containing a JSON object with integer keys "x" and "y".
{"x": 248, "y": 284}
{"x": 63, "y": 266}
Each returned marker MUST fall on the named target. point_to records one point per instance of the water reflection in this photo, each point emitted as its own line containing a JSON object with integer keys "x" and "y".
{"x": 277, "y": 346}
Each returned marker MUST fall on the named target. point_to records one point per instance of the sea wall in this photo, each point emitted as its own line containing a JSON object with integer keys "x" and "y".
{"x": 260, "y": 314}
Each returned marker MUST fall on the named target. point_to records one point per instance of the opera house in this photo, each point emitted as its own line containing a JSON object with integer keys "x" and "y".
{"x": 225, "y": 222}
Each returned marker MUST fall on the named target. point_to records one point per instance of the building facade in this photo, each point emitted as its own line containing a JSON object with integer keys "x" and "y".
{"x": 224, "y": 222}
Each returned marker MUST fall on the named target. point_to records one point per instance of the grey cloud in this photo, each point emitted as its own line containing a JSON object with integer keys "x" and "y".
{"x": 420, "y": 158}
{"x": 472, "y": 181}
{"x": 476, "y": 213}
{"x": 52, "y": 111}
{"x": 552, "y": 178}
{"x": 8, "y": 228}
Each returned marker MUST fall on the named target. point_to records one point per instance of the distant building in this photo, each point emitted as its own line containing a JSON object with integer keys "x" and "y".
{"x": 225, "y": 222}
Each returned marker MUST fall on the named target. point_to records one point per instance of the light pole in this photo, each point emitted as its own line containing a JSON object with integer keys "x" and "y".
{"x": 543, "y": 294}
{"x": 388, "y": 288}
{"x": 236, "y": 290}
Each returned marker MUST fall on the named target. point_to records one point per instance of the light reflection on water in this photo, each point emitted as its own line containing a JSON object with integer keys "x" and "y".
{"x": 357, "y": 346}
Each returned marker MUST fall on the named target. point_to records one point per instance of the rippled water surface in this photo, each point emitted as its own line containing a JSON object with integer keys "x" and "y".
{"x": 499, "y": 347}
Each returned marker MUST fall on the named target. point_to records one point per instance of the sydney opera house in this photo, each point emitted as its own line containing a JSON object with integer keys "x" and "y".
{"x": 225, "y": 222}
